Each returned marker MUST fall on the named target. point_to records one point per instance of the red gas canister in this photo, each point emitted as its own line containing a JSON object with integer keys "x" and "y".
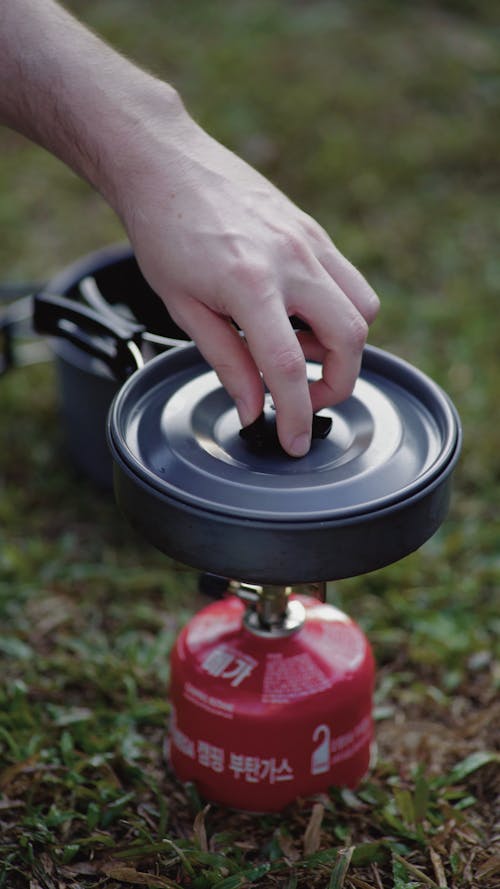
{"x": 270, "y": 703}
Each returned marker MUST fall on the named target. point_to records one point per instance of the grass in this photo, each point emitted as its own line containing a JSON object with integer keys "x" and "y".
{"x": 380, "y": 119}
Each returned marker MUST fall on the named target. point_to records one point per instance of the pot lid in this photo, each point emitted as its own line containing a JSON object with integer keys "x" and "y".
{"x": 177, "y": 432}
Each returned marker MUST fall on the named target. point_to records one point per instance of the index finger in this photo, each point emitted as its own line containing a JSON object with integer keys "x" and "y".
{"x": 278, "y": 355}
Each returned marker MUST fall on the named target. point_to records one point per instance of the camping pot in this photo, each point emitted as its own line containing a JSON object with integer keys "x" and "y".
{"x": 87, "y": 308}
{"x": 374, "y": 486}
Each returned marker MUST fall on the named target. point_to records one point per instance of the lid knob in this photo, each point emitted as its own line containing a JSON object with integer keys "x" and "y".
{"x": 261, "y": 436}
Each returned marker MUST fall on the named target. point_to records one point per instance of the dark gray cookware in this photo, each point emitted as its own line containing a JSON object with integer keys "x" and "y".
{"x": 93, "y": 310}
{"x": 373, "y": 488}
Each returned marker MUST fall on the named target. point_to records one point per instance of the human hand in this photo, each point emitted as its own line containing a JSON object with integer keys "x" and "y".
{"x": 217, "y": 241}
{"x": 214, "y": 238}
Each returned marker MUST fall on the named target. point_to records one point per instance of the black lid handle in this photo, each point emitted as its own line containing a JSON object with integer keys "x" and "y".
{"x": 261, "y": 436}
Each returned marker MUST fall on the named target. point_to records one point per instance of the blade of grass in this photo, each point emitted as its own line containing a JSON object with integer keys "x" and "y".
{"x": 312, "y": 834}
{"x": 467, "y": 766}
{"x": 340, "y": 868}
{"x": 415, "y": 871}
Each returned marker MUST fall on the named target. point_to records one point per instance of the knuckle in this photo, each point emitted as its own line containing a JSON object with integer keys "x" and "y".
{"x": 373, "y": 308}
{"x": 315, "y": 231}
{"x": 357, "y": 332}
{"x": 288, "y": 362}
{"x": 296, "y": 248}
{"x": 225, "y": 371}
{"x": 370, "y": 303}
{"x": 248, "y": 274}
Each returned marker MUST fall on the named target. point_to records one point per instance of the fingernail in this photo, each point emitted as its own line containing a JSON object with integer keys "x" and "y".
{"x": 300, "y": 445}
{"x": 245, "y": 414}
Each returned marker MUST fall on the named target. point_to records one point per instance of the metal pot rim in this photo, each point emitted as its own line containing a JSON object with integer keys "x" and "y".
{"x": 129, "y": 402}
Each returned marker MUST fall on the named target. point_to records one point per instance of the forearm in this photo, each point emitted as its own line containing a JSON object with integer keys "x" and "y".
{"x": 65, "y": 89}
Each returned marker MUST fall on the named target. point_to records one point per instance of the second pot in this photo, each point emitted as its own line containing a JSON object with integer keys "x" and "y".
{"x": 82, "y": 308}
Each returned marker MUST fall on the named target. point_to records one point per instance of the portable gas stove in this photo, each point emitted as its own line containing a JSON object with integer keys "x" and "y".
{"x": 271, "y": 689}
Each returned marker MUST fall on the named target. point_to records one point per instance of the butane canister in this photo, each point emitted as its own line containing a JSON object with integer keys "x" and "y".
{"x": 258, "y": 718}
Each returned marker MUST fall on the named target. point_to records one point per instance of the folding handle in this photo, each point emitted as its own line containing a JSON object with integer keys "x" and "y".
{"x": 114, "y": 341}
{"x": 6, "y": 344}
{"x": 19, "y": 346}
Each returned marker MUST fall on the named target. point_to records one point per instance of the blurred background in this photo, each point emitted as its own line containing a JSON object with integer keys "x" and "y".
{"x": 380, "y": 119}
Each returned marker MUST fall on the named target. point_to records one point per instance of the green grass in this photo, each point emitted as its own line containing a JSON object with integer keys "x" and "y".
{"x": 381, "y": 119}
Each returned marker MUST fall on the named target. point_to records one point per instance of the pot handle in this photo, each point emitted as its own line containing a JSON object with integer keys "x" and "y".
{"x": 6, "y": 347}
{"x": 116, "y": 343}
{"x": 18, "y": 345}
